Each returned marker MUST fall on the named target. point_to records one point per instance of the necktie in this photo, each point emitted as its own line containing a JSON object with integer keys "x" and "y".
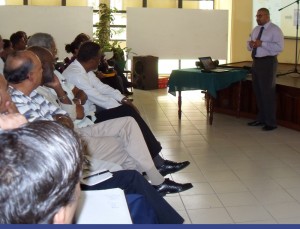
{"x": 258, "y": 38}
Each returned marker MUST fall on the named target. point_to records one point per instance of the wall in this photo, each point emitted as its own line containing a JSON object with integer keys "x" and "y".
{"x": 59, "y": 21}
{"x": 241, "y": 28}
{"x": 178, "y": 33}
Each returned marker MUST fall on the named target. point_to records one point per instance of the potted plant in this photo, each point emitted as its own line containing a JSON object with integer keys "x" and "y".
{"x": 104, "y": 33}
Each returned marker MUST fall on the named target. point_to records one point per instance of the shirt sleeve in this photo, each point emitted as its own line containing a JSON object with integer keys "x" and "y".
{"x": 98, "y": 93}
{"x": 277, "y": 43}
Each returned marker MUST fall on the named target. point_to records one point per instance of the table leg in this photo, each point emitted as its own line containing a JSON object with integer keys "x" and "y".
{"x": 179, "y": 104}
{"x": 209, "y": 107}
{"x": 238, "y": 109}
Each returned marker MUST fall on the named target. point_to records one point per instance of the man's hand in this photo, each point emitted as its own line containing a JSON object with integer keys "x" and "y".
{"x": 10, "y": 107}
{"x": 129, "y": 103}
{"x": 79, "y": 96}
{"x": 11, "y": 121}
{"x": 55, "y": 84}
{"x": 64, "y": 120}
{"x": 99, "y": 75}
{"x": 79, "y": 111}
{"x": 255, "y": 44}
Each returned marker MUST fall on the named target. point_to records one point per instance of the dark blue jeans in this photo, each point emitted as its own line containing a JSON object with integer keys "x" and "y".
{"x": 134, "y": 183}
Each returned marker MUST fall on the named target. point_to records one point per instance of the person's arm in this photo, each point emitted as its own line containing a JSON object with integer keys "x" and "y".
{"x": 79, "y": 96}
{"x": 275, "y": 43}
{"x": 250, "y": 41}
{"x": 61, "y": 94}
{"x": 76, "y": 110}
{"x": 11, "y": 121}
{"x": 129, "y": 103}
{"x": 64, "y": 120}
{"x": 10, "y": 107}
{"x": 98, "y": 93}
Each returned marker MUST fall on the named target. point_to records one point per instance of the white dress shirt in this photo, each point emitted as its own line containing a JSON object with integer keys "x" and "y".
{"x": 98, "y": 93}
{"x": 272, "y": 40}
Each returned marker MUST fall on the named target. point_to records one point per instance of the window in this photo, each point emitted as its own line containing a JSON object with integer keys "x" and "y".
{"x": 120, "y": 22}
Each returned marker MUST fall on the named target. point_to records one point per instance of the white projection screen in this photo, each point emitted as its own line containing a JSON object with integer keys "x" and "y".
{"x": 178, "y": 33}
{"x": 62, "y": 22}
{"x": 283, "y": 13}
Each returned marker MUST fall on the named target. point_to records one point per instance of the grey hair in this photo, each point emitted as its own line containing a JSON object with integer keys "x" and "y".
{"x": 44, "y": 40}
{"x": 40, "y": 167}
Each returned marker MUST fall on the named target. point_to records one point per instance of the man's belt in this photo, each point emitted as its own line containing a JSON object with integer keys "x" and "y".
{"x": 264, "y": 57}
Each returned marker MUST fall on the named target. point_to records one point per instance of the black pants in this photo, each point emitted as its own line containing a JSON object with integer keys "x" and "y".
{"x": 125, "y": 110}
{"x": 134, "y": 183}
{"x": 113, "y": 82}
{"x": 264, "y": 86}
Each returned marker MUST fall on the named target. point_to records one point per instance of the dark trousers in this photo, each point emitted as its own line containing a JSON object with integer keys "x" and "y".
{"x": 134, "y": 183}
{"x": 125, "y": 110}
{"x": 264, "y": 86}
{"x": 114, "y": 82}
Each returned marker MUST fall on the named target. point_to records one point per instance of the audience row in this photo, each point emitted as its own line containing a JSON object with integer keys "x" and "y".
{"x": 104, "y": 123}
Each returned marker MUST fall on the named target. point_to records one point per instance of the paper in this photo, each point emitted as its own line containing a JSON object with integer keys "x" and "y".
{"x": 103, "y": 207}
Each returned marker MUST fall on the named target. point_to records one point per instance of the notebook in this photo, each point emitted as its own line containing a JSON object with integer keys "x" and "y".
{"x": 107, "y": 206}
{"x": 208, "y": 65}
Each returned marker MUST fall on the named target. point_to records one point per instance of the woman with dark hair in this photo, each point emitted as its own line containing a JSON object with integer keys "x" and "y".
{"x": 104, "y": 72}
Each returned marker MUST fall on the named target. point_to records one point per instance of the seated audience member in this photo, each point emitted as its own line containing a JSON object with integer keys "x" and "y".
{"x": 119, "y": 68}
{"x": 128, "y": 180}
{"x": 74, "y": 46}
{"x": 113, "y": 104}
{"x": 27, "y": 159}
{"x": 6, "y": 104}
{"x": 18, "y": 40}
{"x": 9, "y": 115}
{"x": 164, "y": 166}
{"x": 107, "y": 77}
{"x": 23, "y": 72}
{"x": 7, "y": 49}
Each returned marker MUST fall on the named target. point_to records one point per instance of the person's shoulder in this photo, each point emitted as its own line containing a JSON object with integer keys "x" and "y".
{"x": 271, "y": 24}
{"x": 75, "y": 66}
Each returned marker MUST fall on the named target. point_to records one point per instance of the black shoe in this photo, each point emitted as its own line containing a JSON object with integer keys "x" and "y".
{"x": 128, "y": 93}
{"x": 255, "y": 123}
{"x": 169, "y": 186}
{"x": 268, "y": 128}
{"x": 171, "y": 167}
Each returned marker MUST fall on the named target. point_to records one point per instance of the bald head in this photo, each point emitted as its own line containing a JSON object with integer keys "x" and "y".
{"x": 23, "y": 68}
{"x": 47, "y": 61}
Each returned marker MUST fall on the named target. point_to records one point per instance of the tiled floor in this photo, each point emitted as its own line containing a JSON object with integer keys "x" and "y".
{"x": 240, "y": 174}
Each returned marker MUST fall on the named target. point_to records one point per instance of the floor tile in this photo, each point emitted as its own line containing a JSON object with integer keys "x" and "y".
{"x": 240, "y": 174}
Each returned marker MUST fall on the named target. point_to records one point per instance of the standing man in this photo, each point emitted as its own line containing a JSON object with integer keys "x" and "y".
{"x": 265, "y": 43}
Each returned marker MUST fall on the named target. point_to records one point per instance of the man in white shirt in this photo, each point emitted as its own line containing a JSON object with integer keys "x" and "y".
{"x": 108, "y": 136}
{"x": 165, "y": 167}
{"x": 111, "y": 102}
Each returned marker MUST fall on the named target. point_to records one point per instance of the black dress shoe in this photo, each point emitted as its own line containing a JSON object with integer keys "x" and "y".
{"x": 128, "y": 93}
{"x": 169, "y": 186}
{"x": 171, "y": 167}
{"x": 268, "y": 128}
{"x": 255, "y": 123}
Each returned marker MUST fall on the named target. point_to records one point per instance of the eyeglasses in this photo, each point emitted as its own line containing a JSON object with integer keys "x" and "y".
{"x": 260, "y": 15}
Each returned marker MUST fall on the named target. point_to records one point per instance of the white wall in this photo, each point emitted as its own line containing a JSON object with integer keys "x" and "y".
{"x": 178, "y": 33}
{"x": 285, "y": 18}
{"x": 62, "y": 22}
